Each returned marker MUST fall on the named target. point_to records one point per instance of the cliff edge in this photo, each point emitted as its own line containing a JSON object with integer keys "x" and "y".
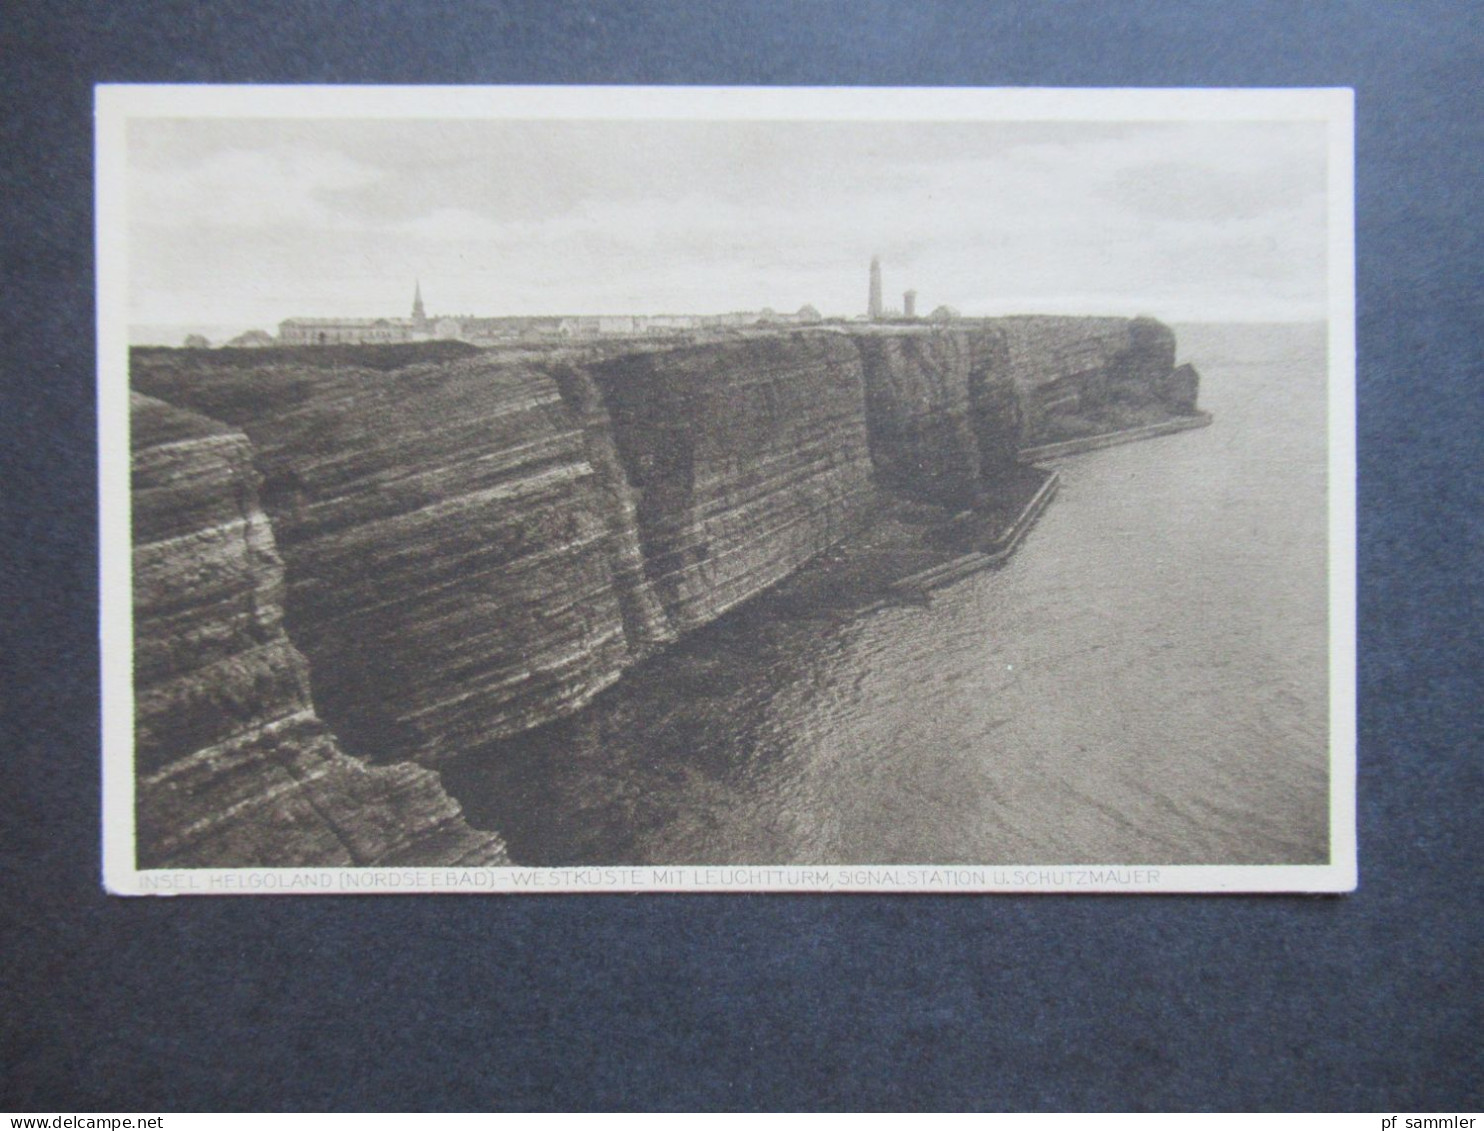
{"x": 233, "y": 766}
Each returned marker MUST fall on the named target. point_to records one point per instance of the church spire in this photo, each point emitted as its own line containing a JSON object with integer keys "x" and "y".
{"x": 419, "y": 315}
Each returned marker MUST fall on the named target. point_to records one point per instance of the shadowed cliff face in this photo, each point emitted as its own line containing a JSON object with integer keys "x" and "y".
{"x": 478, "y": 545}
{"x": 233, "y": 765}
{"x": 943, "y": 409}
{"x": 645, "y": 624}
{"x": 748, "y": 457}
{"x": 917, "y": 402}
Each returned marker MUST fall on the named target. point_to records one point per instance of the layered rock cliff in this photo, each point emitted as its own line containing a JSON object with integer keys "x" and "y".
{"x": 233, "y": 766}
{"x": 942, "y": 407}
{"x": 458, "y": 569}
{"x": 1080, "y": 376}
{"x": 480, "y": 542}
{"x": 749, "y": 458}
{"x": 950, "y": 406}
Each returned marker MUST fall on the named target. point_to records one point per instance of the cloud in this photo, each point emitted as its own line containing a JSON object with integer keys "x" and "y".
{"x": 244, "y": 188}
{"x": 530, "y": 217}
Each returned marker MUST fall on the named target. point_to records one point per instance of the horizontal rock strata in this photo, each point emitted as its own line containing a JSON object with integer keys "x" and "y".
{"x": 943, "y": 410}
{"x": 1080, "y": 375}
{"x": 477, "y": 543}
{"x": 749, "y": 458}
{"x": 458, "y": 569}
{"x": 233, "y": 766}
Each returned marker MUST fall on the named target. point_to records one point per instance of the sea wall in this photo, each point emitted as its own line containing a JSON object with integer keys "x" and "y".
{"x": 233, "y": 765}
{"x": 480, "y": 542}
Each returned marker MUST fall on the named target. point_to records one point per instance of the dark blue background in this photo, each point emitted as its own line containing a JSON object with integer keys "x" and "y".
{"x": 1367, "y": 1001}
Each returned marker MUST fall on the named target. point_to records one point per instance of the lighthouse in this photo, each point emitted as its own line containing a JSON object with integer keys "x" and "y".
{"x": 873, "y": 304}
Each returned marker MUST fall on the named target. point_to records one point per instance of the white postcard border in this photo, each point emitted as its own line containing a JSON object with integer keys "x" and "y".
{"x": 116, "y": 105}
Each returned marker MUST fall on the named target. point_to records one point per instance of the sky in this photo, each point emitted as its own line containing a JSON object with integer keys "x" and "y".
{"x": 245, "y": 222}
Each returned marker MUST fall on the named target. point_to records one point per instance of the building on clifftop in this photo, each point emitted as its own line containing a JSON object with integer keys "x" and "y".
{"x": 360, "y": 331}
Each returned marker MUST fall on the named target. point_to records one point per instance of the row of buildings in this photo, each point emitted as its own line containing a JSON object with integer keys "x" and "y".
{"x": 479, "y": 331}
{"x": 419, "y": 327}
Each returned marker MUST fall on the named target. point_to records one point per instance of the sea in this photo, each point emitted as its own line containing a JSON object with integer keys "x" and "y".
{"x": 1145, "y": 681}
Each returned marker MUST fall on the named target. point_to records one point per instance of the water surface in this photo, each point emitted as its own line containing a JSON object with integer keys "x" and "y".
{"x": 1144, "y": 682}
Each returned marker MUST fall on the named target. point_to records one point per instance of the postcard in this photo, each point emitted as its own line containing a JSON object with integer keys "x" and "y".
{"x": 690, "y": 489}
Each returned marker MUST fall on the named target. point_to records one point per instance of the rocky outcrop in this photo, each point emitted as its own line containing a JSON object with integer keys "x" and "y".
{"x": 950, "y": 407}
{"x": 1078, "y": 376}
{"x": 749, "y": 458}
{"x": 1180, "y": 388}
{"x": 233, "y": 766}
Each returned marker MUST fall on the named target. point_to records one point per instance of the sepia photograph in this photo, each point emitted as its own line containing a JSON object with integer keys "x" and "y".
{"x": 592, "y": 489}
